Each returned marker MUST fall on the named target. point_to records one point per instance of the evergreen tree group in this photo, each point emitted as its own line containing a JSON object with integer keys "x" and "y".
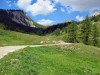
{"x": 88, "y": 32}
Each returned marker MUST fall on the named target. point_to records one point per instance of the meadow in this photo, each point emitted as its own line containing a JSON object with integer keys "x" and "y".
{"x": 8, "y": 38}
{"x": 74, "y": 59}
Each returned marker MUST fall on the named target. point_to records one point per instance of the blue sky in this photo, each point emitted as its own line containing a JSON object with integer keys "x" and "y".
{"x": 48, "y": 12}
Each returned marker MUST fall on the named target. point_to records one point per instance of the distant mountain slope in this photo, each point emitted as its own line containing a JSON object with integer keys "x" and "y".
{"x": 52, "y": 28}
{"x": 17, "y": 20}
{"x": 18, "y": 16}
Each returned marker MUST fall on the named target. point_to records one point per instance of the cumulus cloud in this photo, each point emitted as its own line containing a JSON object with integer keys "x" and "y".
{"x": 80, "y": 18}
{"x": 82, "y": 5}
{"x": 45, "y": 22}
{"x": 24, "y": 3}
{"x": 40, "y": 7}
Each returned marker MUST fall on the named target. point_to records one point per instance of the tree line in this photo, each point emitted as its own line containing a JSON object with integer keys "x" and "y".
{"x": 85, "y": 32}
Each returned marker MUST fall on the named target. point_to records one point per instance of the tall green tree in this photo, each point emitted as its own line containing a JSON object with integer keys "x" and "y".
{"x": 71, "y": 31}
{"x": 86, "y": 31}
{"x": 94, "y": 35}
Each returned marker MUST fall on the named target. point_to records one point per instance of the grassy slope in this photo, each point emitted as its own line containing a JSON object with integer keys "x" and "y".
{"x": 15, "y": 38}
{"x": 77, "y": 59}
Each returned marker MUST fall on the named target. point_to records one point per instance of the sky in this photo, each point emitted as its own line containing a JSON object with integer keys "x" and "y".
{"x": 49, "y": 12}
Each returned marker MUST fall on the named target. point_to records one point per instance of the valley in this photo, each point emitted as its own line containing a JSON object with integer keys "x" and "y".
{"x": 67, "y": 48}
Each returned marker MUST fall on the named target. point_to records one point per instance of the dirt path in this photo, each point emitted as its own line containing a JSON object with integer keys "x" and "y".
{"x": 5, "y": 50}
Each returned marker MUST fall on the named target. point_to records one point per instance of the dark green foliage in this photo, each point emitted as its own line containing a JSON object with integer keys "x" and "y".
{"x": 57, "y": 32}
{"x": 1, "y": 26}
{"x": 39, "y": 32}
{"x": 72, "y": 35}
{"x": 89, "y": 32}
{"x": 96, "y": 18}
{"x": 94, "y": 35}
{"x": 86, "y": 31}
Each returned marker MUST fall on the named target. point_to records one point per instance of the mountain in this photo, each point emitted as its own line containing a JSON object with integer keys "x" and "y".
{"x": 96, "y": 13}
{"x": 52, "y": 28}
{"x": 17, "y": 20}
{"x": 18, "y": 16}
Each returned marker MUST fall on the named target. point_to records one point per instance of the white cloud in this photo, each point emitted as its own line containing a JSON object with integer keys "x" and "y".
{"x": 24, "y": 3}
{"x": 82, "y": 5}
{"x": 40, "y": 7}
{"x": 45, "y": 22}
{"x": 80, "y": 18}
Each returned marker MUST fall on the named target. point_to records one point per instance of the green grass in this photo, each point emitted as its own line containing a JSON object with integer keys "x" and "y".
{"x": 75, "y": 59}
{"x": 8, "y": 37}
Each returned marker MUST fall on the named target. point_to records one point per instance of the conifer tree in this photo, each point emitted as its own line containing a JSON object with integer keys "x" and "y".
{"x": 71, "y": 31}
{"x": 94, "y": 35}
{"x": 86, "y": 31}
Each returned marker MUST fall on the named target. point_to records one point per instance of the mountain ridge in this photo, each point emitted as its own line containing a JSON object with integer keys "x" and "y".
{"x": 17, "y": 20}
{"x": 18, "y": 16}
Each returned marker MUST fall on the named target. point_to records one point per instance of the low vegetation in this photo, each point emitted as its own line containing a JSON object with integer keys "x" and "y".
{"x": 8, "y": 37}
{"x": 74, "y": 59}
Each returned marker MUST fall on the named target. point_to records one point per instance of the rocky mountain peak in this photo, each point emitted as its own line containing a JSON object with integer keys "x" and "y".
{"x": 18, "y": 16}
{"x": 96, "y": 13}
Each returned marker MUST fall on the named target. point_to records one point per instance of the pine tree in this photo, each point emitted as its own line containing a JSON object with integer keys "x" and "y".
{"x": 94, "y": 35}
{"x": 72, "y": 33}
{"x": 86, "y": 31}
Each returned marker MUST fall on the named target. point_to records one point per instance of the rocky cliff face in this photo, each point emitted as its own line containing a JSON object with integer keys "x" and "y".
{"x": 17, "y": 20}
{"x": 17, "y": 16}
